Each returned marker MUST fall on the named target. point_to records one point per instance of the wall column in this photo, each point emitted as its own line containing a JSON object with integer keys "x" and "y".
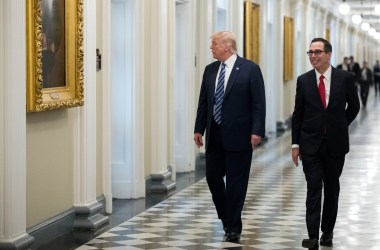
{"x": 235, "y": 21}
{"x": 270, "y": 33}
{"x": 86, "y": 206}
{"x": 206, "y": 18}
{"x": 13, "y": 126}
{"x": 159, "y": 84}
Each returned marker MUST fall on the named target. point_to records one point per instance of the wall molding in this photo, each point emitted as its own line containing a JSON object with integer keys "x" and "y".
{"x": 59, "y": 225}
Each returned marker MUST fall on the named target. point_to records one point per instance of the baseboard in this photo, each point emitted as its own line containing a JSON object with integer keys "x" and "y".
{"x": 55, "y": 227}
{"x": 284, "y": 125}
{"x": 52, "y": 228}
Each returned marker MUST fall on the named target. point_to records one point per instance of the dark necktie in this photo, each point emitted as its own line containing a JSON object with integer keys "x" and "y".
{"x": 219, "y": 93}
{"x": 322, "y": 90}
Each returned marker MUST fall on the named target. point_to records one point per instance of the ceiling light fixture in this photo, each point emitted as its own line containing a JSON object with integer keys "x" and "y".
{"x": 377, "y": 8}
{"x": 344, "y": 8}
{"x": 356, "y": 19}
{"x": 372, "y": 31}
{"x": 365, "y": 26}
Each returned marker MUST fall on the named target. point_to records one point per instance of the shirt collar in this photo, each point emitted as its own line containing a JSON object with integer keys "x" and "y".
{"x": 231, "y": 61}
{"x": 326, "y": 75}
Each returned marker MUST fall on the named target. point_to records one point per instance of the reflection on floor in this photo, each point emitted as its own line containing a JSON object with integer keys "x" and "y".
{"x": 275, "y": 205}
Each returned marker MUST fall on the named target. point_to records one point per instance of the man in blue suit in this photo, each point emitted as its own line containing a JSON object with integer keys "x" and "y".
{"x": 233, "y": 116}
{"x": 326, "y": 103}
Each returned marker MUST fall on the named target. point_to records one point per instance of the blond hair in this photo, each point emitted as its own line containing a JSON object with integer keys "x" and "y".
{"x": 228, "y": 38}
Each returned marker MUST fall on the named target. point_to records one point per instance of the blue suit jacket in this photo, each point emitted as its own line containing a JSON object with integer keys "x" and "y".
{"x": 310, "y": 118}
{"x": 243, "y": 108}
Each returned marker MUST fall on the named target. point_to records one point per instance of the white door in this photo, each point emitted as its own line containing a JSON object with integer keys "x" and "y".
{"x": 184, "y": 86}
{"x": 121, "y": 103}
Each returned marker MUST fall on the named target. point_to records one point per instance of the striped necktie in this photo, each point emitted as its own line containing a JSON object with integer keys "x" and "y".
{"x": 219, "y": 93}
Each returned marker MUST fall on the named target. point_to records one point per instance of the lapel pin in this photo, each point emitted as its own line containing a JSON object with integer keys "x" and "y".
{"x": 237, "y": 68}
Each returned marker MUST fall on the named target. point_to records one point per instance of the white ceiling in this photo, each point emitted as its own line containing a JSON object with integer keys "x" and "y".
{"x": 366, "y": 8}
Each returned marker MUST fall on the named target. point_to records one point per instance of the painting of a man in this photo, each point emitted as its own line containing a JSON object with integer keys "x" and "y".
{"x": 53, "y": 43}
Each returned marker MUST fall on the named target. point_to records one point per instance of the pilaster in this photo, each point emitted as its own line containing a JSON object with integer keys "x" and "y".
{"x": 159, "y": 84}
{"x": 87, "y": 208}
{"x": 235, "y": 21}
{"x": 106, "y": 107}
{"x": 13, "y": 126}
{"x": 205, "y": 28}
{"x": 172, "y": 166}
{"x": 138, "y": 54}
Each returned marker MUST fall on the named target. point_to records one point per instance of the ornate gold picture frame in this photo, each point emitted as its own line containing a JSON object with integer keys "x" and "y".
{"x": 288, "y": 48}
{"x": 327, "y": 34}
{"x": 252, "y": 31}
{"x": 54, "y": 32}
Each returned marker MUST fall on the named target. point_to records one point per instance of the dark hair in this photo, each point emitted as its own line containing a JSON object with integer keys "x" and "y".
{"x": 327, "y": 45}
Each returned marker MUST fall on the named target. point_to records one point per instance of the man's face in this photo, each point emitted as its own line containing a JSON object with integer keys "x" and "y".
{"x": 320, "y": 61}
{"x": 218, "y": 48}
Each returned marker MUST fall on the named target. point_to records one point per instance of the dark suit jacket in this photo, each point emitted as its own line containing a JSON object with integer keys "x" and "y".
{"x": 376, "y": 71}
{"x": 310, "y": 118}
{"x": 369, "y": 76}
{"x": 355, "y": 68}
{"x": 243, "y": 108}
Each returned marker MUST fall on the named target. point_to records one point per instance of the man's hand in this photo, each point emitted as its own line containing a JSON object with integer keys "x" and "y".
{"x": 296, "y": 155}
{"x": 198, "y": 139}
{"x": 255, "y": 140}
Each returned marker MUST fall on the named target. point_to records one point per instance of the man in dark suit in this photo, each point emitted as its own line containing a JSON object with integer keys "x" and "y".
{"x": 355, "y": 69}
{"x": 345, "y": 65}
{"x": 234, "y": 118}
{"x": 376, "y": 76}
{"x": 326, "y": 103}
{"x": 365, "y": 82}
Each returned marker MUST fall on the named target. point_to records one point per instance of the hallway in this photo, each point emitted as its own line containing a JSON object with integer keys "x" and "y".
{"x": 274, "y": 211}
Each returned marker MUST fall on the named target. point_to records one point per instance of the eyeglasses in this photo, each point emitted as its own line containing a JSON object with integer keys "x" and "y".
{"x": 316, "y": 52}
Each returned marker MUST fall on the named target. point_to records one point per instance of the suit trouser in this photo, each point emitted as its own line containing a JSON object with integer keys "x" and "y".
{"x": 364, "y": 91}
{"x": 322, "y": 171}
{"x": 228, "y": 197}
{"x": 377, "y": 84}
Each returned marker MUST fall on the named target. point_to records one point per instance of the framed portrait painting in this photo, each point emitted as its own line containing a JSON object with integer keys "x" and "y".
{"x": 288, "y": 48}
{"x": 54, "y": 31}
{"x": 252, "y": 31}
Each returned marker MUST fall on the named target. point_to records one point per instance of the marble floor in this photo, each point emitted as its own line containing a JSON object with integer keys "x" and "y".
{"x": 274, "y": 211}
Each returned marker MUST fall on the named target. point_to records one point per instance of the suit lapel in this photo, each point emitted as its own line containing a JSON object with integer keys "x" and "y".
{"x": 213, "y": 75}
{"x": 333, "y": 84}
{"x": 234, "y": 73}
{"x": 314, "y": 88}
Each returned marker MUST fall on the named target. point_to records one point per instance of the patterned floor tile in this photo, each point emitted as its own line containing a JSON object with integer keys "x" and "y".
{"x": 274, "y": 212}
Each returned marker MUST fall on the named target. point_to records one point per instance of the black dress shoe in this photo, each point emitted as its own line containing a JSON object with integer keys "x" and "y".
{"x": 326, "y": 239}
{"x": 310, "y": 243}
{"x": 232, "y": 237}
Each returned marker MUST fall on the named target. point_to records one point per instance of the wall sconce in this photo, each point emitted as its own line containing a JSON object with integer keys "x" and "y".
{"x": 98, "y": 60}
